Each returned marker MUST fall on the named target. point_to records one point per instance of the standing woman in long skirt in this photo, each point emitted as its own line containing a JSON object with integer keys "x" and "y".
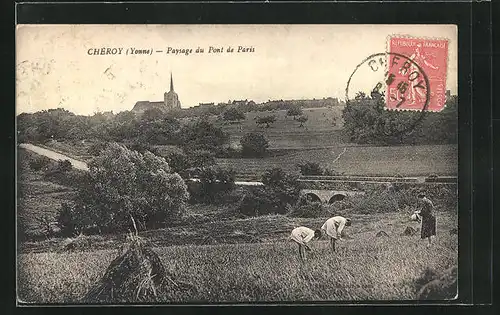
{"x": 428, "y": 220}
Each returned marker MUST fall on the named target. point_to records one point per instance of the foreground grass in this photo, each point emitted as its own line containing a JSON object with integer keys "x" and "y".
{"x": 364, "y": 267}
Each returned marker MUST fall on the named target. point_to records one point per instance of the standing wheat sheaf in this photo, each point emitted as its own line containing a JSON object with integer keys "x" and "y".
{"x": 136, "y": 275}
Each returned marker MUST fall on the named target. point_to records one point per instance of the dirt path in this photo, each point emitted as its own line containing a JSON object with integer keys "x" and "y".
{"x": 55, "y": 156}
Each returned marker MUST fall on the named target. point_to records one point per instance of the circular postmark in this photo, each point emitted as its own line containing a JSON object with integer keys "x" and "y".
{"x": 396, "y": 83}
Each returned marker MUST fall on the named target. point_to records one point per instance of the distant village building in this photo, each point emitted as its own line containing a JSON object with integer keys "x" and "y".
{"x": 240, "y": 102}
{"x": 170, "y": 101}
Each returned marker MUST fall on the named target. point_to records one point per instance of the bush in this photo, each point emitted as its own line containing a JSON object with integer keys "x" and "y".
{"x": 310, "y": 168}
{"x": 260, "y": 201}
{"x": 294, "y": 111}
{"x": 215, "y": 183}
{"x": 57, "y": 169}
{"x": 66, "y": 220}
{"x": 284, "y": 186}
{"x": 97, "y": 147}
{"x": 233, "y": 114}
{"x": 330, "y": 172}
{"x": 142, "y": 147}
{"x": 254, "y": 145}
{"x": 375, "y": 201}
{"x": 444, "y": 197}
{"x": 122, "y": 184}
{"x": 179, "y": 162}
{"x": 37, "y": 163}
{"x": 203, "y": 135}
{"x": 308, "y": 210}
{"x": 302, "y": 119}
{"x": 280, "y": 191}
{"x": 267, "y": 120}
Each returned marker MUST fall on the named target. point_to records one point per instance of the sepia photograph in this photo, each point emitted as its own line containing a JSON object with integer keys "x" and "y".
{"x": 214, "y": 163}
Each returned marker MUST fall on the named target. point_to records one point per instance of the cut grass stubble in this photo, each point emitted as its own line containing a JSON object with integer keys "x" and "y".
{"x": 364, "y": 268}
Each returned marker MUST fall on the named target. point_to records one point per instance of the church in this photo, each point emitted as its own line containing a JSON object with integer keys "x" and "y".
{"x": 170, "y": 101}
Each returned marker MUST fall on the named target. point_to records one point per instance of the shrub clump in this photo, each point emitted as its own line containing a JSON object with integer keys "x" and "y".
{"x": 308, "y": 210}
{"x": 214, "y": 185}
{"x": 432, "y": 286}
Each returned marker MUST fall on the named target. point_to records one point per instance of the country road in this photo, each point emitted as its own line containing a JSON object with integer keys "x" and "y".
{"x": 54, "y": 155}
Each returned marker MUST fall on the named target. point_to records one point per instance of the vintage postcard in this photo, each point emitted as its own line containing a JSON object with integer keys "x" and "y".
{"x": 236, "y": 163}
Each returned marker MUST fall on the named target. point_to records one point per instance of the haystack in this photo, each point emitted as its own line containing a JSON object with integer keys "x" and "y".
{"x": 81, "y": 242}
{"x": 137, "y": 275}
{"x": 442, "y": 288}
{"x": 382, "y": 233}
{"x": 409, "y": 231}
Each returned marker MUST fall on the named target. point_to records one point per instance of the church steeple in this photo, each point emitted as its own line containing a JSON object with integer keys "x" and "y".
{"x": 171, "y": 82}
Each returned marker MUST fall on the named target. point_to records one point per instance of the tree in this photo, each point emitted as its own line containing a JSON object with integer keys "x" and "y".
{"x": 162, "y": 130}
{"x": 203, "y": 135}
{"x": 294, "y": 111}
{"x": 122, "y": 184}
{"x": 284, "y": 185}
{"x": 179, "y": 162}
{"x": 125, "y": 125}
{"x": 254, "y": 145}
{"x": 233, "y": 114}
{"x": 302, "y": 119}
{"x": 268, "y": 120}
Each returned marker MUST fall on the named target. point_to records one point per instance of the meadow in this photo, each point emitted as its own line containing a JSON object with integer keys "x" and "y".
{"x": 365, "y": 267}
{"x": 322, "y": 129}
{"x": 420, "y": 160}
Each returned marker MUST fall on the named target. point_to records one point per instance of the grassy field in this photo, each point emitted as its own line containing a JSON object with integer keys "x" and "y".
{"x": 420, "y": 160}
{"x": 364, "y": 267}
{"x": 318, "y": 132}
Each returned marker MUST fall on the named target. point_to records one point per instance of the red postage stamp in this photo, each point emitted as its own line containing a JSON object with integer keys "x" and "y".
{"x": 417, "y": 70}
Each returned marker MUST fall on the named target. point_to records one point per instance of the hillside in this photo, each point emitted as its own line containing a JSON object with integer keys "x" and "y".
{"x": 38, "y": 199}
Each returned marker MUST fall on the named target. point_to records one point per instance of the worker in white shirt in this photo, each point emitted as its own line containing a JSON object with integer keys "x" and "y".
{"x": 303, "y": 235}
{"x": 333, "y": 227}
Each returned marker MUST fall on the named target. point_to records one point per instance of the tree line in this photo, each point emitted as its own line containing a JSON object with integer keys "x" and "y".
{"x": 366, "y": 121}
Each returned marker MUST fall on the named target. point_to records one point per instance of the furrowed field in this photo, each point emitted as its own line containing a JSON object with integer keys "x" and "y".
{"x": 364, "y": 267}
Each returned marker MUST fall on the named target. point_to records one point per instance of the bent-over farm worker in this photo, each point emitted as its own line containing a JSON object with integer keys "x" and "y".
{"x": 303, "y": 235}
{"x": 333, "y": 227}
{"x": 428, "y": 220}
{"x": 416, "y": 216}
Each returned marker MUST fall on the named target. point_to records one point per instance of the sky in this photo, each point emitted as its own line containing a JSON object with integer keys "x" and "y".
{"x": 54, "y": 68}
